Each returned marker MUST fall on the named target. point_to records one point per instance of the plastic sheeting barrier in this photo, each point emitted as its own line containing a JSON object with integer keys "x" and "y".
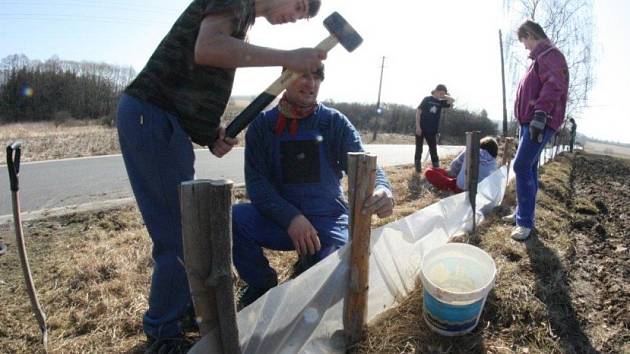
{"x": 305, "y": 315}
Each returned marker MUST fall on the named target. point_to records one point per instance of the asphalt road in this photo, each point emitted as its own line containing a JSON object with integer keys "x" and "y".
{"x": 72, "y": 184}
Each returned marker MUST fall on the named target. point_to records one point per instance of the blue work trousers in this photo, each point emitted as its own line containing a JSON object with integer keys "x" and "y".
{"x": 526, "y": 171}
{"x": 158, "y": 156}
{"x": 252, "y": 232}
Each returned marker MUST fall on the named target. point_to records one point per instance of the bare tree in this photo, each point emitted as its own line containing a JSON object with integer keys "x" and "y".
{"x": 569, "y": 25}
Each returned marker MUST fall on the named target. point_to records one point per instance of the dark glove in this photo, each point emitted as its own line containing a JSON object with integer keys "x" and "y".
{"x": 537, "y": 126}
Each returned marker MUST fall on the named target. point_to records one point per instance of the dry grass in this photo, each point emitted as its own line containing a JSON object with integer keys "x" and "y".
{"x": 92, "y": 273}
{"x": 530, "y": 309}
{"x": 387, "y": 138}
{"x": 48, "y": 141}
{"x": 92, "y": 270}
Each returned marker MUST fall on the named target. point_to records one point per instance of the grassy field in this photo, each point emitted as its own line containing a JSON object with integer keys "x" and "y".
{"x": 607, "y": 149}
{"x": 48, "y": 141}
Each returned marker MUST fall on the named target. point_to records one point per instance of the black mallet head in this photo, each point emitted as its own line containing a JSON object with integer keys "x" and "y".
{"x": 341, "y": 29}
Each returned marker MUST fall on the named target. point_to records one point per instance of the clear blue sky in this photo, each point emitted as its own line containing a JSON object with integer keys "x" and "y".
{"x": 425, "y": 43}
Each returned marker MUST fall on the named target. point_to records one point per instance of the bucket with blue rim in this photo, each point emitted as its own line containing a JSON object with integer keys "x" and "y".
{"x": 456, "y": 279}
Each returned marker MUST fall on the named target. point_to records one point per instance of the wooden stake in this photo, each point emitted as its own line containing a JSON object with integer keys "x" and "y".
{"x": 206, "y": 208}
{"x": 361, "y": 180}
{"x": 507, "y": 151}
{"x": 506, "y": 159}
{"x": 472, "y": 172}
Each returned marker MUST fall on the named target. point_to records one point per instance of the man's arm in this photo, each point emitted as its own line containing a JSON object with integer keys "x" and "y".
{"x": 447, "y": 102}
{"x": 216, "y": 47}
{"x": 418, "y": 114}
{"x": 553, "y": 74}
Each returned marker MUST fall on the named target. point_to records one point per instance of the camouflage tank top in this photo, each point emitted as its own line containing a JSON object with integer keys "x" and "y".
{"x": 171, "y": 80}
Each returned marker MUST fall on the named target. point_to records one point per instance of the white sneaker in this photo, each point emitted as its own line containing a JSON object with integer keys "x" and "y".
{"x": 510, "y": 218}
{"x": 520, "y": 233}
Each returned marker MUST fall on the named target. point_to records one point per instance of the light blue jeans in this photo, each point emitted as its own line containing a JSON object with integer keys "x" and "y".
{"x": 158, "y": 155}
{"x": 526, "y": 171}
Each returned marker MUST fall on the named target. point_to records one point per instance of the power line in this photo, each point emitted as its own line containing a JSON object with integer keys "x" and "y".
{"x": 70, "y": 4}
{"x": 78, "y": 18}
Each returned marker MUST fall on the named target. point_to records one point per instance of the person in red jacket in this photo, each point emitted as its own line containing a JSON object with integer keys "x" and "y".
{"x": 454, "y": 179}
{"x": 540, "y": 107}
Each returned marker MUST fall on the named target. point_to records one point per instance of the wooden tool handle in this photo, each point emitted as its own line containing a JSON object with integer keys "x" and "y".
{"x": 264, "y": 99}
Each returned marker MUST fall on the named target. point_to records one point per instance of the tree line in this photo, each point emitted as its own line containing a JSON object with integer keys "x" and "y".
{"x": 32, "y": 90}
{"x": 397, "y": 118}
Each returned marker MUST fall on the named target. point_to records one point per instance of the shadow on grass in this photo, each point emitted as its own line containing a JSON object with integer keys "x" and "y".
{"x": 552, "y": 288}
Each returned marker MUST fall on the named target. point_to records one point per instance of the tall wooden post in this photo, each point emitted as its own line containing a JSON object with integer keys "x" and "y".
{"x": 472, "y": 172}
{"x": 379, "y": 110}
{"x": 206, "y": 208}
{"x": 361, "y": 180}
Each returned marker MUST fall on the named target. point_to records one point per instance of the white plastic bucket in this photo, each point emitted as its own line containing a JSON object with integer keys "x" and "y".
{"x": 456, "y": 278}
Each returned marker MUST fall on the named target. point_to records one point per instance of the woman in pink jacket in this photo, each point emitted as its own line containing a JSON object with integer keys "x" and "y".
{"x": 539, "y": 108}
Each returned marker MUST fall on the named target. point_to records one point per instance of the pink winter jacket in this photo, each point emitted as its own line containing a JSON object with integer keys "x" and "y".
{"x": 545, "y": 86}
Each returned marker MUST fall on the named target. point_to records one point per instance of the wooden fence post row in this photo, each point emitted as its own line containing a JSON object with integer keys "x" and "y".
{"x": 206, "y": 208}
{"x": 361, "y": 181}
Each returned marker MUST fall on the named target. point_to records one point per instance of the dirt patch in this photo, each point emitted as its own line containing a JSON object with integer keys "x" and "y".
{"x": 600, "y": 273}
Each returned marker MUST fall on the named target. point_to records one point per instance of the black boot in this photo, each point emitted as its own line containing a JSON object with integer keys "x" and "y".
{"x": 251, "y": 294}
{"x": 176, "y": 345}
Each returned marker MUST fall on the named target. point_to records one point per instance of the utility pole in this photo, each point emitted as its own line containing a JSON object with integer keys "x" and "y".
{"x": 505, "y": 128}
{"x": 378, "y": 102}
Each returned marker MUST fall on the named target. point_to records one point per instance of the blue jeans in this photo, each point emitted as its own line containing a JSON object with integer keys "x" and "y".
{"x": 252, "y": 231}
{"x": 158, "y": 156}
{"x": 526, "y": 171}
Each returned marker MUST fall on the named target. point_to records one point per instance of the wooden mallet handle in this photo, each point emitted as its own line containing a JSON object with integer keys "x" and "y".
{"x": 264, "y": 99}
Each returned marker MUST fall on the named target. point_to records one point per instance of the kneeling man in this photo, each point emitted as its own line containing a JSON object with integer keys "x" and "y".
{"x": 295, "y": 156}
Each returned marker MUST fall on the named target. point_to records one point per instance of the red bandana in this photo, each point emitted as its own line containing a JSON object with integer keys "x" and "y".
{"x": 288, "y": 110}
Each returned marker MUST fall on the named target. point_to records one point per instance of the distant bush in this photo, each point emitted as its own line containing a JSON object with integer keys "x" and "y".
{"x": 61, "y": 117}
{"x": 108, "y": 120}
